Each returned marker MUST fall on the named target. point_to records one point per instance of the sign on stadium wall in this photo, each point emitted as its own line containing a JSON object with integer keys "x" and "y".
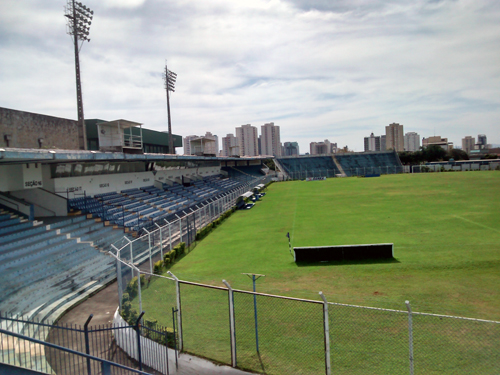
{"x": 315, "y": 178}
{"x": 32, "y": 176}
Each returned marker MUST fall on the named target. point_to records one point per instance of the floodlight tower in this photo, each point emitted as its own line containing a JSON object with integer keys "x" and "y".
{"x": 169, "y": 79}
{"x": 79, "y": 20}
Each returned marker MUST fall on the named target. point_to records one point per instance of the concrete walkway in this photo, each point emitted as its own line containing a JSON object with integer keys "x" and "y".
{"x": 103, "y": 305}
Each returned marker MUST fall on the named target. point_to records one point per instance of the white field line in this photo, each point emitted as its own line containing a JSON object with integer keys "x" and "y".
{"x": 479, "y": 224}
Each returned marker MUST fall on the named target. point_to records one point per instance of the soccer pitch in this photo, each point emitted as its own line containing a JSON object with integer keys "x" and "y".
{"x": 447, "y": 247}
{"x": 444, "y": 228}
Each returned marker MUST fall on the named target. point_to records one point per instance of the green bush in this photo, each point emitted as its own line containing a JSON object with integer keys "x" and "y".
{"x": 132, "y": 288}
{"x": 166, "y": 260}
{"x": 158, "y": 267}
{"x": 126, "y": 308}
{"x": 132, "y": 317}
{"x": 125, "y": 298}
{"x": 151, "y": 324}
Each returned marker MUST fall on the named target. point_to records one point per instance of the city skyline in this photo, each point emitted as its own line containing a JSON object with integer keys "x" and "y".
{"x": 321, "y": 70}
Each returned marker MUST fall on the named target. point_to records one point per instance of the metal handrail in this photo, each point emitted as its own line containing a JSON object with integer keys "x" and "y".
{"x": 106, "y": 365}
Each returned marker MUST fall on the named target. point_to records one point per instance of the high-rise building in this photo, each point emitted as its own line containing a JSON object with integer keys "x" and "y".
{"x": 291, "y": 148}
{"x": 482, "y": 142}
{"x": 372, "y": 143}
{"x": 321, "y": 148}
{"x": 394, "y": 137}
{"x": 270, "y": 140}
{"x": 247, "y": 140}
{"x": 437, "y": 140}
{"x": 230, "y": 145}
{"x": 411, "y": 142}
{"x": 382, "y": 143}
{"x": 187, "y": 144}
{"x": 468, "y": 143}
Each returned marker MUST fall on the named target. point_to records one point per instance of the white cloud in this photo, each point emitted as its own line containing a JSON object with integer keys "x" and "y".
{"x": 318, "y": 70}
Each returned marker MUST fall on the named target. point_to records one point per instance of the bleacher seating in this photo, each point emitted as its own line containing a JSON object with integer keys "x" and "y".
{"x": 370, "y": 163}
{"x": 302, "y": 167}
{"x": 352, "y": 164}
{"x": 44, "y": 268}
{"x": 136, "y": 208}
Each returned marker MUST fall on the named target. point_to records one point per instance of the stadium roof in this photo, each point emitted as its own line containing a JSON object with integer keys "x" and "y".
{"x": 20, "y": 155}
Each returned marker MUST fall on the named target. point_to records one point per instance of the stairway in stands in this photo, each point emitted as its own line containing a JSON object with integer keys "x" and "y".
{"x": 46, "y": 268}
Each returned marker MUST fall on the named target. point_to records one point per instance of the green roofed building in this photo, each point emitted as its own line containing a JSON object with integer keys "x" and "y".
{"x": 153, "y": 141}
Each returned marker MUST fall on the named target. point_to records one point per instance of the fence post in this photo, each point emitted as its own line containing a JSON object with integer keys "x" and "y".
{"x": 119, "y": 276}
{"x": 137, "y": 328}
{"x": 87, "y": 345}
{"x": 232, "y": 329}
{"x": 180, "y": 228}
{"x": 139, "y": 287}
{"x": 179, "y": 316}
{"x": 161, "y": 241}
{"x": 131, "y": 250}
{"x": 410, "y": 335}
{"x": 326, "y": 323}
{"x": 150, "y": 255}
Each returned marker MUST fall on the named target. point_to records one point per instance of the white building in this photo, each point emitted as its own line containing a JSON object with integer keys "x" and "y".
{"x": 187, "y": 144}
{"x": 230, "y": 145}
{"x": 270, "y": 141}
{"x": 201, "y": 145}
{"x": 411, "y": 141}
{"x": 321, "y": 148}
{"x": 372, "y": 143}
{"x": 468, "y": 143}
{"x": 247, "y": 140}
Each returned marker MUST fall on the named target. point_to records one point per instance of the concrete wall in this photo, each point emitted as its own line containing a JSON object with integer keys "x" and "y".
{"x": 45, "y": 202}
{"x": 106, "y": 183}
{"x": 25, "y": 129}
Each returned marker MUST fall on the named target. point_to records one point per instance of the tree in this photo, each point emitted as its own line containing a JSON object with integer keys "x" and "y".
{"x": 270, "y": 164}
{"x": 434, "y": 153}
{"x": 457, "y": 154}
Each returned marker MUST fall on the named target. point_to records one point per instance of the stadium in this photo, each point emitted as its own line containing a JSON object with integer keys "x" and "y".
{"x": 189, "y": 277}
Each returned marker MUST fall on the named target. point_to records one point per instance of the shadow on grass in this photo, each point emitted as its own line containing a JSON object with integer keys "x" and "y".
{"x": 347, "y": 262}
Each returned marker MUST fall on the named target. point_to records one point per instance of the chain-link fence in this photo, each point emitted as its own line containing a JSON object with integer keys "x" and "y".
{"x": 161, "y": 237}
{"x": 304, "y": 173}
{"x": 278, "y": 335}
{"x": 282, "y": 335}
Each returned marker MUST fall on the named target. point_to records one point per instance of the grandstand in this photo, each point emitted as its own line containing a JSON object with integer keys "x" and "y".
{"x": 340, "y": 165}
{"x": 62, "y": 210}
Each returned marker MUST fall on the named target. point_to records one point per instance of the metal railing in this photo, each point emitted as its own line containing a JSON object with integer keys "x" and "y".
{"x": 117, "y": 342}
{"x": 15, "y": 346}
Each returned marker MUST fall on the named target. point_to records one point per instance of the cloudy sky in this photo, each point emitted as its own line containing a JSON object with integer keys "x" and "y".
{"x": 320, "y": 69}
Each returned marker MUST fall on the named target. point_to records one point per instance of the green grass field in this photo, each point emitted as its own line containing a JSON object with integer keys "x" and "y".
{"x": 446, "y": 243}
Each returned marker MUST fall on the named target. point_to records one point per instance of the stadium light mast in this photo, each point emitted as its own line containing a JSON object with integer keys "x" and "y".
{"x": 169, "y": 79}
{"x": 79, "y": 20}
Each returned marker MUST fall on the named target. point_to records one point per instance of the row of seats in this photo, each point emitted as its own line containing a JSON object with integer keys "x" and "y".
{"x": 352, "y": 164}
{"x": 140, "y": 208}
{"x": 43, "y": 268}
{"x": 319, "y": 166}
{"x": 376, "y": 162}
